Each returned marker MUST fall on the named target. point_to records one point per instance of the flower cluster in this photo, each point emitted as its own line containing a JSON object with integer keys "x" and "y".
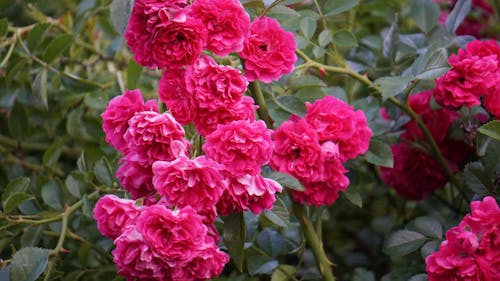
{"x": 314, "y": 148}
{"x": 471, "y": 250}
{"x": 172, "y": 34}
{"x": 474, "y": 74}
{"x": 416, "y": 174}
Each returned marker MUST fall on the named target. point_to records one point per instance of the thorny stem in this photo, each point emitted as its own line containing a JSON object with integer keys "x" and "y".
{"x": 436, "y": 152}
{"x": 322, "y": 261}
{"x": 35, "y": 146}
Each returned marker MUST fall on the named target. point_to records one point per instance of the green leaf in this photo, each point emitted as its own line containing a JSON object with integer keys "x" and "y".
{"x": 234, "y": 238}
{"x": 403, "y": 242}
{"x": 392, "y": 86}
{"x": 429, "y": 248}
{"x": 19, "y": 184}
{"x": 52, "y": 154}
{"x": 74, "y": 124}
{"x": 31, "y": 235}
{"x": 339, "y": 6}
{"x": 279, "y": 214}
{"x": 419, "y": 277}
{"x": 29, "y": 263}
{"x": 291, "y": 104}
{"x": 308, "y": 26}
{"x": 37, "y": 34}
{"x": 120, "y": 12}
{"x": 457, "y": 15}
{"x": 51, "y": 195}
{"x": 304, "y": 81}
{"x": 318, "y": 52}
{"x": 271, "y": 242}
{"x": 18, "y": 122}
{"x": 390, "y": 38}
{"x": 476, "y": 179}
{"x": 75, "y": 185}
{"x": 260, "y": 265}
{"x": 283, "y": 272}
{"x": 344, "y": 39}
{"x": 134, "y": 71}
{"x": 57, "y": 46}
{"x": 40, "y": 87}
{"x": 380, "y": 154}
{"x": 78, "y": 84}
{"x": 491, "y": 129}
{"x": 354, "y": 196}
{"x": 4, "y": 27}
{"x": 361, "y": 274}
{"x": 286, "y": 180}
{"x": 103, "y": 172}
{"x": 96, "y": 100}
{"x": 325, "y": 37}
{"x": 429, "y": 226}
{"x": 425, "y": 13}
{"x": 13, "y": 201}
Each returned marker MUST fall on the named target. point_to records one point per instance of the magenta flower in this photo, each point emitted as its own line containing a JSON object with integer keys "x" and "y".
{"x": 336, "y": 121}
{"x": 242, "y": 146}
{"x": 172, "y": 91}
{"x": 197, "y": 183}
{"x": 269, "y": 51}
{"x": 119, "y": 110}
{"x": 135, "y": 176}
{"x": 114, "y": 214}
{"x": 226, "y": 22}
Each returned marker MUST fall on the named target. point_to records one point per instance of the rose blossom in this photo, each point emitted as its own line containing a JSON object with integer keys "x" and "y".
{"x": 172, "y": 91}
{"x": 324, "y": 192}
{"x": 242, "y": 146}
{"x": 119, "y": 110}
{"x": 197, "y": 183}
{"x": 214, "y": 86}
{"x": 150, "y": 134}
{"x": 492, "y": 103}
{"x": 474, "y": 73}
{"x": 146, "y": 22}
{"x": 471, "y": 250}
{"x": 226, "y": 22}
{"x": 415, "y": 174}
{"x": 177, "y": 236}
{"x": 269, "y": 51}
{"x": 177, "y": 43}
{"x": 297, "y": 151}
{"x": 207, "y": 119}
{"x": 113, "y": 214}
{"x": 135, "y": 176}
{"x": 248, "y": 192}
{"x": 336, "y": 121}
{"x": 135, "y": 259}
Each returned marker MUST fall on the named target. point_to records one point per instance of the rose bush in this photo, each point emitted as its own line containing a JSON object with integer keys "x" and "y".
{"x": 249, "y": 140}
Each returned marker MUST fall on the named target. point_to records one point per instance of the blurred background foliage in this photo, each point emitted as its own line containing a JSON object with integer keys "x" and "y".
{"x": 62, "y": 60}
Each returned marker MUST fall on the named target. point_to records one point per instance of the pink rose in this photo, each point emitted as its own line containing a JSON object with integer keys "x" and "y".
{"x": 269, "y": 51}
{"x": 119, "y": 110}
{"x": 135, "y": 176}
{"x": 449, "y": 264}
{"x": 197, "y": 183}
{"x": 242, "y": 146}
{"x": 172, "y": 91}
{"x": 202, "y": 267}
{"x": 297, "y": 151}
{"x": 151, "y": 134}
{"x": 248, "y": 192}
{"x": 226, "y": 22}
{"x": 177, "y": 236}
{"x": 323, "y": 193}
{"x": 492, "y": 103}
{"x": 177, "y": 43}
{"x": 336, "y": 121}
{"x": 135, "y": 259}
{"x": 415, "y": 174}
{"x": 142, "y": 26}
{"x": 207, "y": 119}
{"x": 214, "y": 86}
{"x": 114, "y": 214}
{"x": 453, "y": 92}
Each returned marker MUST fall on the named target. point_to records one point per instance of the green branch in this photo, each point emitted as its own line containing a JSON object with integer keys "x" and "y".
{"x": 258, "y": 97}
